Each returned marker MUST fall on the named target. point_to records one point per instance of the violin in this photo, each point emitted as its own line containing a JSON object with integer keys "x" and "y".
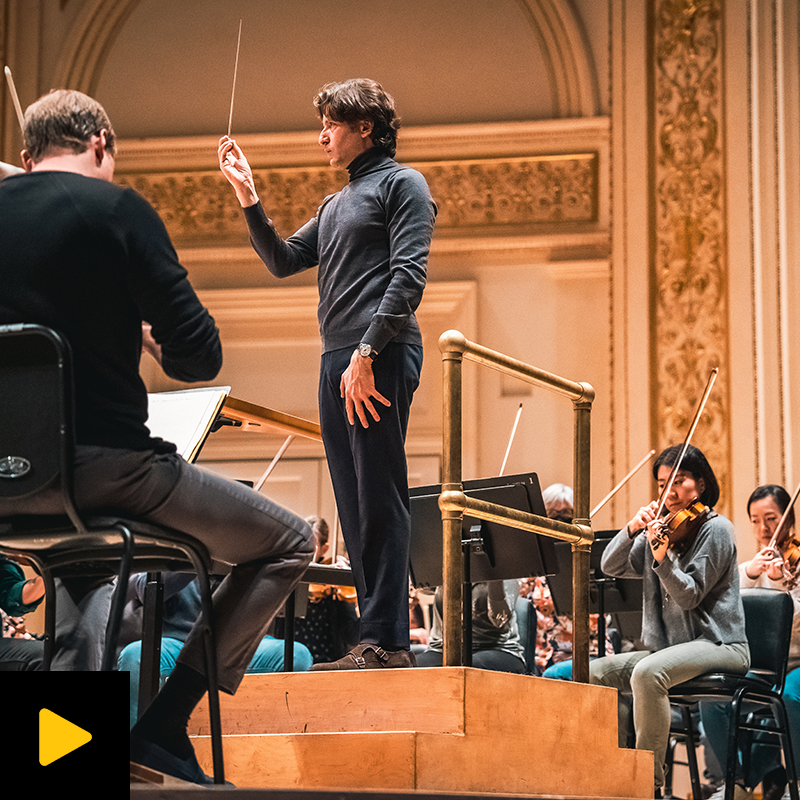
{"x": 791, "y": 562}
{"x": 787, "y": 547}
{"x": 679, "y": 529}
{"x": 319, "y": 591}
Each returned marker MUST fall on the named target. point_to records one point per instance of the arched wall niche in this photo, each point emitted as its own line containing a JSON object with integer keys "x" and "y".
{"x": 544, "y": 51}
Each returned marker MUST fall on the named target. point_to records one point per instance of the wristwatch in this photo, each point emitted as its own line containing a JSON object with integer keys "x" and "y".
{"x": 367, "y": 351}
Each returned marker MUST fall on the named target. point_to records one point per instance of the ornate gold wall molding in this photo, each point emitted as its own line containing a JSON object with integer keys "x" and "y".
{"x": 690, "y": 318}
{"x": 476, "y": 194}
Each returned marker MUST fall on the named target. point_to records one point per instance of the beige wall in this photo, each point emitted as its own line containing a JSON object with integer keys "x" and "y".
{"x": 490, "y": 94}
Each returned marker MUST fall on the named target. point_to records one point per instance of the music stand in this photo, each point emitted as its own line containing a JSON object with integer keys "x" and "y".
{"x": 621, "y": 597}
{"x": 492, "y": 551}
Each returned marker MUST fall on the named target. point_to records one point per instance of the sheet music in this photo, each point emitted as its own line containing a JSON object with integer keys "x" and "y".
{"x": 185, "y": 417}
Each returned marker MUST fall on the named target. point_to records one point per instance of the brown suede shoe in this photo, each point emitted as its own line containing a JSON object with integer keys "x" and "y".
{"x": 370, "y": 656}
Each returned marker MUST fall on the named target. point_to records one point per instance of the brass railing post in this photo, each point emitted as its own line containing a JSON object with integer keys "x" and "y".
{"x": 452, "y": 566}
{"x": 454, "y": 503}
{"x": 581, "y": 551}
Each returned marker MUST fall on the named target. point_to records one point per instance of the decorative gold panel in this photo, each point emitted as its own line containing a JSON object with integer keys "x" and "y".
{"x": 477, "y": 194}
{"x": 690, "y": 261}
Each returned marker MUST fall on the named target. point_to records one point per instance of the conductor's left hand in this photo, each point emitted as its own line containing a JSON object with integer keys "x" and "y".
{"x": 357, "y": 387}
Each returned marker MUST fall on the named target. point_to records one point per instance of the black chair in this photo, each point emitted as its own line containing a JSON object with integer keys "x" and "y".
{"x": 756, "y": 702}
{"x": 36, "y": 462}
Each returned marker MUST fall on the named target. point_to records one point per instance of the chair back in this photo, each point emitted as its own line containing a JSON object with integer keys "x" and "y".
{"x": 37, "y": 425}
{"x": 768, "y": 619}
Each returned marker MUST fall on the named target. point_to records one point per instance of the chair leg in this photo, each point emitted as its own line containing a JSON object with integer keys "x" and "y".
{"x": 152, "y": 627}
{"x": 49, "y": 616}
{"x": 288, "y": 634}
{"x": 779, "y": 711}
{"x": 118, "y": 601}
{"x": 691, "y": 753}
{"x": 733, "y": 745}
{"x": 669, "y": 767}
{"x": 207, "y": 621}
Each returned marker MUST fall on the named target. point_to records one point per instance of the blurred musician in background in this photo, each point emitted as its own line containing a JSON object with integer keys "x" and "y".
{"x": 18, "y": 596}
{"x": 94, "y": 261}
{"x": 770, "y": 568}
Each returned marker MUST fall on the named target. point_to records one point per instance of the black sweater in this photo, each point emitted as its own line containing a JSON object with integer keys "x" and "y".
{"x": 371, "y": 241}
{"x": 92, "y": 261}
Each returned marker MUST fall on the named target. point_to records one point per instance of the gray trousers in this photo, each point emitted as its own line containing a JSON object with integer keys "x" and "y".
{"x": 269, "y": 546}
{"x": 643, "y": 680}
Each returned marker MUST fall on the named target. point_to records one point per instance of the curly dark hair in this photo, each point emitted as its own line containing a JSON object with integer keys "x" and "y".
{"x": 361, "y": 99}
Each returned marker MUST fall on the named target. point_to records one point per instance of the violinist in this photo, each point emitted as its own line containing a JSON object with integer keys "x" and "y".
{"x": 693, "y": 621}
{"x": 765, "y": 507}
{"x": 769, "y": 566}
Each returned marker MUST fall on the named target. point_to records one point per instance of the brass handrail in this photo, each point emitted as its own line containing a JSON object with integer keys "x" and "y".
{"x": 454, "y": 504}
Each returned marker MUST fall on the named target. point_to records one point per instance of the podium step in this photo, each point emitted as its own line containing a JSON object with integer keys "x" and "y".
{"x": 451, "y": 729}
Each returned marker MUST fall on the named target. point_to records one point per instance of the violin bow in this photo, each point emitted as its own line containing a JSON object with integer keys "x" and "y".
{"x": 622, "y": 483}
{"x": 15, "y": 98}
{"x": 511, "y": 439}
{"x": 674, "y": 474}
{"x": 779, "y": 530}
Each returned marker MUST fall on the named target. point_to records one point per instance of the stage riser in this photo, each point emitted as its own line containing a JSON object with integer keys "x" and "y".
{"x": 448, "y": 730}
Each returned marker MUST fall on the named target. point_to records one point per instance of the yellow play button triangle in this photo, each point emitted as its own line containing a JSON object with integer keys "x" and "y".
{"x": 58, "y": 736}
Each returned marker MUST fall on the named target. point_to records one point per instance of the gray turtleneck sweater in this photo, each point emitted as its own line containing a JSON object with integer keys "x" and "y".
{"x": 371, "y": 242}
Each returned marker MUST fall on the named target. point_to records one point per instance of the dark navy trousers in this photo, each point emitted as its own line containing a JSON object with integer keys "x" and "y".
{"x": 370, "y": 480}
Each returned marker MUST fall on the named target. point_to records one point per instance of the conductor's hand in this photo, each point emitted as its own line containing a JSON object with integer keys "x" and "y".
{"x": 235, "y": 168}
{"x": 357, "y": 387}
{"x": 643, "y": 517}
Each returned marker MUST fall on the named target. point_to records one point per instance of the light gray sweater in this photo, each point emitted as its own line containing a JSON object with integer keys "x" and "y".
{"x": 687, "y": 597}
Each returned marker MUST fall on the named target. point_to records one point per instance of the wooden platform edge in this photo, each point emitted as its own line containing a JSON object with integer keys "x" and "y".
{"x": 141, "y": 775}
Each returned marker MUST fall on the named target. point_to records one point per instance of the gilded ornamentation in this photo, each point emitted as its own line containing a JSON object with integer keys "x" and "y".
{"x": 514, "y": 191}
{"x": 477, "y": 194}
{"x": 691, "y": 311}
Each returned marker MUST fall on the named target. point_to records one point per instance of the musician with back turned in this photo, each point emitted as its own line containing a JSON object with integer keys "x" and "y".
{"x": 94, "y": 261}
{"x": 370, "y": 242}
{"x": 693, "y": 620}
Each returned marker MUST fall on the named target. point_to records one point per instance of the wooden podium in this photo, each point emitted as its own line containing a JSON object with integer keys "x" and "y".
{"x": 449, "y": 729}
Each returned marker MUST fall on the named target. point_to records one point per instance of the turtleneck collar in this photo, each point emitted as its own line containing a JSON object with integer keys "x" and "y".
{"x": 368, "y": 161}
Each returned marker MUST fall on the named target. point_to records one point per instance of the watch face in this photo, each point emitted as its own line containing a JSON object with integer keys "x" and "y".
{"x": 365, "y": 350}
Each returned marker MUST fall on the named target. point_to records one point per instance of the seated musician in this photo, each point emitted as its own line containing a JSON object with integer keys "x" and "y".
{"x": 554, "y": 631}
{"x": 693, "y": 621}
{"x": 94, "y": 261}
{"x": 331, "y": 625}
{"x": 18, "y": 596}
{"x": 770, "y": 568}
{"x": 496, "y": 643}
{"x": 182, "y": 606}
